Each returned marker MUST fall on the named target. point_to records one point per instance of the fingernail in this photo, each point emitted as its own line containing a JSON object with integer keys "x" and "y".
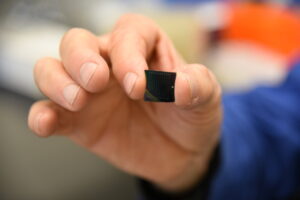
{"x": 87, "y": 70}
{"x": 70, "y": 93}
{"x": 129, "y": 82}
{"x": 37, "y": 123}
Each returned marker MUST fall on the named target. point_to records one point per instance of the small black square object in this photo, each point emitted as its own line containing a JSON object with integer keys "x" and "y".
{"x": 160, "y": 86}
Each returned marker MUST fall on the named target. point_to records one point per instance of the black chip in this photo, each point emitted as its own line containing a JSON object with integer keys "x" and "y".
{"x": 160, "y": 86}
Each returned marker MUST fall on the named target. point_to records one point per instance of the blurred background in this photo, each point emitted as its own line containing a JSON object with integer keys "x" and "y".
{"x": 245, "y": 43}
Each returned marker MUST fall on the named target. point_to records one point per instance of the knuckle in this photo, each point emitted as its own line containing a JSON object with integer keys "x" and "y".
{"x": 40, "y": 63}
{"x": 74, "y": 53}
{"x": 121, "y": 37}
{"x": 70, "y": 35}
{"x": 41, "y": 68}
{"x": 72, "y": 32}
{"x": 116, "y": 37}
{"x": 76, "y": 57}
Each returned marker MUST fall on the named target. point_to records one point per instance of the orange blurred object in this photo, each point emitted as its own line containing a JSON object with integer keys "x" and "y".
{"x": 270, "y": 26}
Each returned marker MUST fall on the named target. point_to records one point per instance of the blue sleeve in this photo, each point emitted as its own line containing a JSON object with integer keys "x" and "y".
{"x": 260, "y": 143}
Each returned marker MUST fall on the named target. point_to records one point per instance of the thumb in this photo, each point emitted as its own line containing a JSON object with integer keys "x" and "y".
{"x": 198, "y": 107}
{"x": 196, "y": 87}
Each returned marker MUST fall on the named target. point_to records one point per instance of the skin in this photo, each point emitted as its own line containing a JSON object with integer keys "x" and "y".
{"x": 169, "y": 144}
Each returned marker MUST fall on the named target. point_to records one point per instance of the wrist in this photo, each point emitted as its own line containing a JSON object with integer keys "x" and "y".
{"x": 199, "y": 190}
{"x": 197, "y": 169}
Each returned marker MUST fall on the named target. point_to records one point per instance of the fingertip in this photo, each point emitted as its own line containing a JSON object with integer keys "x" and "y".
{"x": 82, "y": 59}
{"x": 47, "y": 124}
{"x": 134, "y": 85}
{"x": 46, "y": 118}
{"x": 94, "y": 76}
{"x": 75, "y": 101}
{"x": 43, "y": 123}
{"x": 131, "y": 74}
{"x": 194, "y": 85}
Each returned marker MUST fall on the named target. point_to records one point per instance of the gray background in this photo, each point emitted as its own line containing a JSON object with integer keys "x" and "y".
{"x": 33, "y": 168}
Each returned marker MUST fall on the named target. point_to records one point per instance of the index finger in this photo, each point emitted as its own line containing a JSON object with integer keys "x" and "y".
{"x": 132, "y": 42}
{"x": 80, "y": 52}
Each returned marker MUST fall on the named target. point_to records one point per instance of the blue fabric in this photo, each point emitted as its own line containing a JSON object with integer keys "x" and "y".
{"x": 260, "y": 143}
{"x": 295, "y": 2}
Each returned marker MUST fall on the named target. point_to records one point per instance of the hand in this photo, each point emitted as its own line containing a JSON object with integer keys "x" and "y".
{"x": 95, "y": 98}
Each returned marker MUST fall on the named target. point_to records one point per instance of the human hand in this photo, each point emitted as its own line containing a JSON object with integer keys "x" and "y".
{"x": 95, "y": 98}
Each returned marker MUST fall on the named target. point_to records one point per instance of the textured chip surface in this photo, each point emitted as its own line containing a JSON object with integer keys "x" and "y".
{"x": 160, "y": 86}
